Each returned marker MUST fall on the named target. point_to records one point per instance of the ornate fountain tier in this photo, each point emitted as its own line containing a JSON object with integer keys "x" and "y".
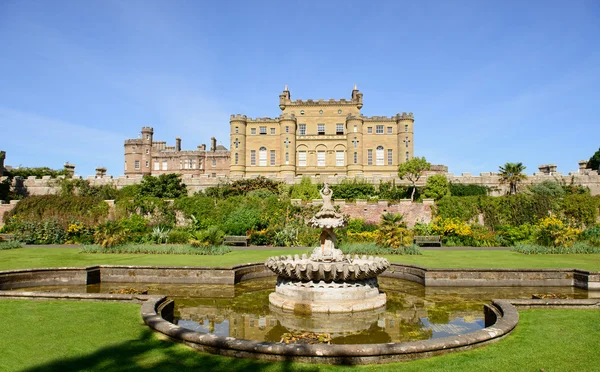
{"x": 346, "y": 269}
{"x": 327, "y": 282}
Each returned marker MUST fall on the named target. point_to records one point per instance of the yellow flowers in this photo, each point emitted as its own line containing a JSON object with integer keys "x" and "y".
{"x": 75, "y": 228}
{"x": 552, "y": 232}
{"x": 450, "y": 226}
{"x": 362, "y": 237}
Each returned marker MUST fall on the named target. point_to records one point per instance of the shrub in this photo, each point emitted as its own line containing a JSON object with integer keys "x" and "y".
{"x": 547, "y": 188}
{"x": 591, "y": 235}
{"x": 179, "y": 236}
{"x": 241, "y": 220}
{"x": 34, "y": 232}
{"x": 374, "y": 249}
{"x": 460, "y": 189}
{"x": 287, "y": 237}
{"x": 362, "y": 237}
{"x": 552, "y": 232}
{"x": 436, "y": 187}
{"x": 512, "y": 235}
{"x": 10, "y": 245}
{"x": 581, "y": 208}
{"x": 165, "y": 186}
{"x": 357, "y": 225}
{"x": 464, "y": 208}
{"x": 305, "y": 190}
{"x": 212, "y": 236}
{"x": 353, "y": 189}
{"x": 79, "y": 233}
{"x": 160, "y": 234}
{"x": 389, "y": 191}
{"x": 260, "y": 237}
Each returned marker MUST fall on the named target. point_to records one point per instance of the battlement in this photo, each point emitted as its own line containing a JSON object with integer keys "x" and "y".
{"x": 263, "y": 120}
{"x": 404, "y": 115}
{"x": 320, "y": 102}
{"x": 239, "y": 117}
{"x": 134, "y": 141}
{"x": 378, "y": 118}
{"x": 147, "y": 129}
{"x": 287, "y": 117}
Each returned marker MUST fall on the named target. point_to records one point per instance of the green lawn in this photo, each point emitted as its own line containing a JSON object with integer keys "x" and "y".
{"x": 73, "y": 336}
{"x": 56, "y": 257}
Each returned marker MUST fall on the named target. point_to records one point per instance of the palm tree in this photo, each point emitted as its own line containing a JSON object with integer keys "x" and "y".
{"x": 512, "y": 173}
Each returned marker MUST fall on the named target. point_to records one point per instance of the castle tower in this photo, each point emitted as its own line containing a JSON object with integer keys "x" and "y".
{"x": 405, "y": 136}
{"x": 287, "y": 144}
{"x": 147, "y": 133}
{"x": 138, "y": 153}
{"x": 237, "y": 135}
{"x": 354, "y": 128}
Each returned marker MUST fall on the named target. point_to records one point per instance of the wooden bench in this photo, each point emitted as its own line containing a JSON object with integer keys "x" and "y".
{"x": 235, "y": 239}
{"x": 427, "y": 240}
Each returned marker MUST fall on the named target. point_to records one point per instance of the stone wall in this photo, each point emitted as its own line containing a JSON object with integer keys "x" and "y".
{"x": 7, "y": 207}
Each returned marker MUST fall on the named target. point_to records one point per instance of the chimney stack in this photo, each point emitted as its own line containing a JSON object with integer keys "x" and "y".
{"x": 213, "y": 144}
{"x": 70, "y": 168}
{"x": 100, "y": 172}
{"x": 177, "y": 143}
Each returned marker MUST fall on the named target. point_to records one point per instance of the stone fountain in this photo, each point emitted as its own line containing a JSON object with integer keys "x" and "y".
{"x": 327, "y": 281}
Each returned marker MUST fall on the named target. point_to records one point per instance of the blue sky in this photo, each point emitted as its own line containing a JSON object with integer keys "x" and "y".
{"x": 488, "y": 82}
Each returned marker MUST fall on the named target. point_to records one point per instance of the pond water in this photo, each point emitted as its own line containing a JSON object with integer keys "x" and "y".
{"x": 412, "y": 313}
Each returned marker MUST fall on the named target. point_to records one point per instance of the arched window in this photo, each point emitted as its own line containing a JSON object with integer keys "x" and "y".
{"x": 379, "y": 155}
{"x": 262, "y": 156}
{"x": 237, "y": 157}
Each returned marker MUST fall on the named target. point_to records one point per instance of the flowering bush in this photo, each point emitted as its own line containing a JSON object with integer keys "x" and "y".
{"x": 450, "y": 227}
{"x": 361, "y": 237}
{"x": 552, "y": 232}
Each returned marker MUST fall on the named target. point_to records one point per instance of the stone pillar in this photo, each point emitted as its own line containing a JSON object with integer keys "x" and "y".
{"x": 177, "y": 143}
{"x": 100, "y": 172}
{"x": 70, "y": 168}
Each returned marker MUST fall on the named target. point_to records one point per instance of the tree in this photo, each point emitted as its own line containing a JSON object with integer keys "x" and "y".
{"x": 412, "y": 170}
{"x": 165, "y": 186}
{"x": 512, "y": 173}
{"x": 594, "y": 162}
{"x": 305, "y": 190}
{"x": 437, "y": 187}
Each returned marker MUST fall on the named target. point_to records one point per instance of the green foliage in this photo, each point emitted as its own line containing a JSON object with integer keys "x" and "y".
{"x": 591, "y": 235}
{"x": 594, "y": 162}
{"x": 582, "y": 209}
{"x": 165, "y": 186}
{"x": 212, "y": 236}
{"x": 158, "y": 249}
{"x": 371, "y": 249}
{"x": 389, "y": 191}
{"x": 63, "y": 209}
{"x": 80, "y": 187}
{"x": 412, "y": 170}
{"x": 286, "y": 237}
{"x": 512, "y": 173}
{"x": 464, "y": 208}
{"x": 552, "y": 232}
{"x": 549, "y": 189}
{"x": 358, "y": 225}
{"x": 577, "y": 248}
{"x": 305, "y": 190}
{"x": 38, "y": 172}
{"x": 512, "y": 235}
{"x": 10, "y": 245}
{"x": 159, "y": 212}
{"x": 436, "y": 187}
{"x": 241, "y": 220}
{"x": 243, "y": 187}
{"x": 460, "y": 189}
{"x": 179, "y": 235}
{"x": 160, "y": 235}
{"x": 38, "y": 232}
{"x": 353, "y": 189}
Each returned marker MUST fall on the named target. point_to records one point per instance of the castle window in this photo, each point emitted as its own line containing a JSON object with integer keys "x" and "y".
{"x": 321, "y": 112}
{"x": 301, "y": 112}
{"x": 193, "y": 163}
{"x": 379, "y": 155}
{"x": 406, "y": 141}
{"x": 252, "y": 157}
{"x": 164, "y": 165}
{"x": 147, "y": 163}
{"x": 236, "y": 143}
{"x": 406, "y": 127}
{"x": 253, "y": 131}
{"x": 287, "y": 128}
{"x": 147, "y": 151}
{"x": 321, "y": 129}
{"x": 263, "y": 130}
{"x": 355, "y": 157}
{"x": 407, "y": 156}
{"x": 339, "y": 158}
{"x": 214, "y": 162}
{"x": 262, "y": 156}
{"x": 272, "y": 157}
{"x": 370, "y": 156}
{"x": 370, "y": 130}
{"x": 302, "y": 129}
{"x": 339, "y": 128}
{"x": 237, "y": 156}
{"x": 379, "y": 129}
{"x": 156, "y": 165}
{"x": 132, "y": 148}
{"x": 147, "y": 136}
{"x": 355, "y": 128}
{"x": 213, "y": 175}
{"x": 339, "y": 111}
{"x": 302, "y": 158}
{"x": 272, "y": 131}
{"x": 287, "y": 158}
{"x": 125, "y": 165}
{"x": 390, "y": 157}
{"x": 390, "y": 130}
{"x": 180, "y": 164}
{"x": 320, "y": 158}
{"x": 237, "y": 130}
{"x": 136, "y": 164}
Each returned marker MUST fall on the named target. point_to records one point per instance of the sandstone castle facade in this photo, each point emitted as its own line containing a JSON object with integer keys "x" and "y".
{"x": 320, "y": 138}
{"x": 144, "y": 156}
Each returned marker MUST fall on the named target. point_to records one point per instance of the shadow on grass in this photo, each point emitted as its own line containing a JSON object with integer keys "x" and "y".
{"x": 151, "y": 354}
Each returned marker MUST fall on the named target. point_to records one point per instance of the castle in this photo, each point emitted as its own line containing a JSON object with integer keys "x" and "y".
{"x": 320, "y": 138}
{"x": 328, "y": 138}
{"x": 144, "y": 156}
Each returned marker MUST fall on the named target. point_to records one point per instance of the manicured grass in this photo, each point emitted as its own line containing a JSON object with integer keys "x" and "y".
{"x": 69, "y": 336}
{"x": 57, "y": 257}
